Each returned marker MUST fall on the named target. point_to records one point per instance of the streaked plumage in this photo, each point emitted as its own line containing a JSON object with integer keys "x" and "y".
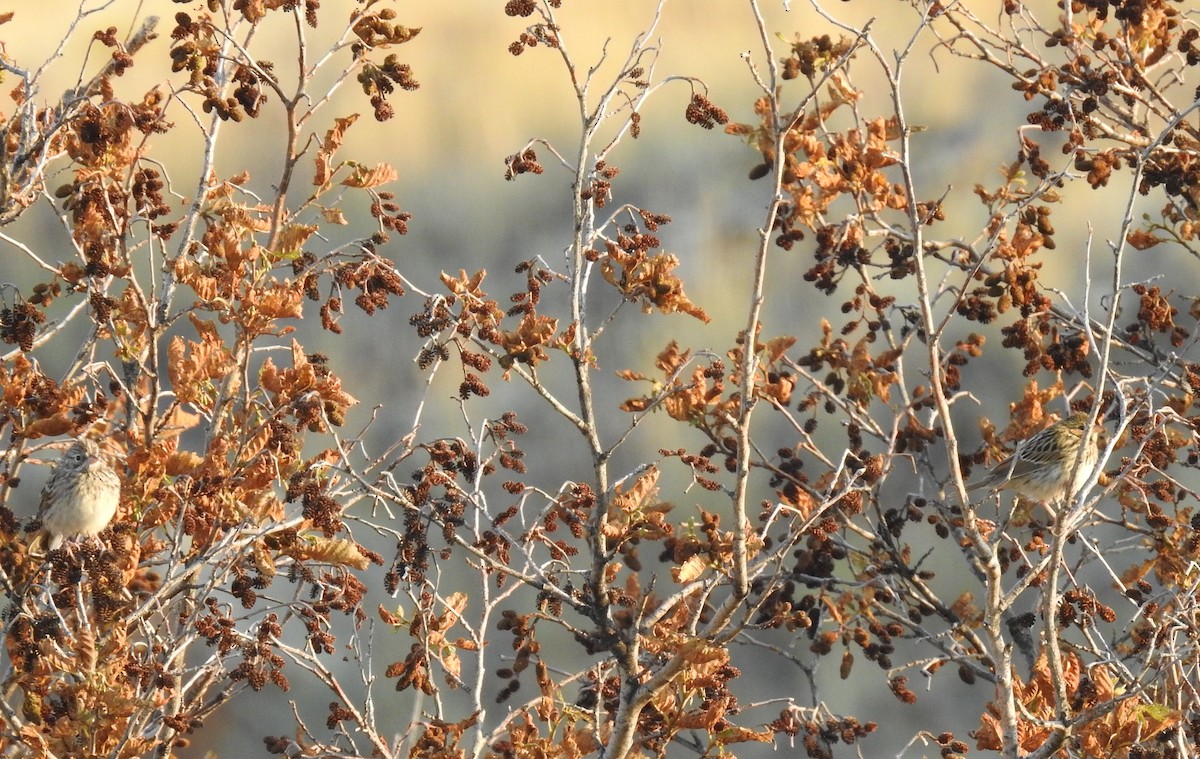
{"x": 81, "y": 496}
{"x": 1042, "y": 464}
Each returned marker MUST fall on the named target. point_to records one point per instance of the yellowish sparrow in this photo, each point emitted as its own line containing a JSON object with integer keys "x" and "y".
{"x": 1041, "y": 467}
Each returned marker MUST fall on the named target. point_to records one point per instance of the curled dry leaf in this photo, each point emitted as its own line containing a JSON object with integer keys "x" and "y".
{"x": 336, "y": 551}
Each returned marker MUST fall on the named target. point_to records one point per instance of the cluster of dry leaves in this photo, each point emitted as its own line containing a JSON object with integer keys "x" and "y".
{"x": 241, "y": 558}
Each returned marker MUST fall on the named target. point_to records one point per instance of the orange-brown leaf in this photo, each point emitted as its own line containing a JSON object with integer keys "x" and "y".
{"x": 465, "y": 284}
{"x": 365, "y": 177}
{"x": 1143, "y": 240}
{"x": 59, "y": 424}
{"x": 292, "y": 238}
{"x": 777, "y": 347}
{"x": 690, "y": 569}
{"x": 336, "y": 551}
{"x": 333, "y": 140}
{"x": 182, "y": 462}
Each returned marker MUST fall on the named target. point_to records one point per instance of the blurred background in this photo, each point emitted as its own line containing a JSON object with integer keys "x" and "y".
{"x": 478, "y": 104}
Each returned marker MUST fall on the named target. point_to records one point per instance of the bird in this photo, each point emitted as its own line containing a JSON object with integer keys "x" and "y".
{"x": 81, "y": 496}
{"x": 1040, "y": 468}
